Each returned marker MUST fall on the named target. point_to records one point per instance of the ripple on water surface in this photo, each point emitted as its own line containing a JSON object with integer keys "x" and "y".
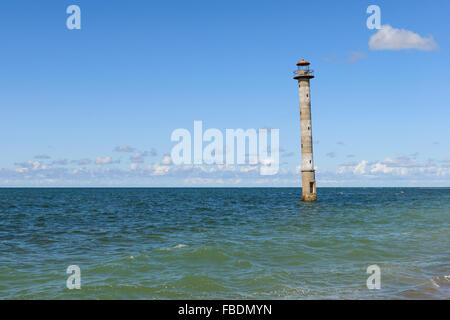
{"x": 224, "y": 243}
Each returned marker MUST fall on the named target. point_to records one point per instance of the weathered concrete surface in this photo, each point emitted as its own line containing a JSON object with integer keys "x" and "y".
{"x": 308, "y": 186}
{"x": 308, "y": 175}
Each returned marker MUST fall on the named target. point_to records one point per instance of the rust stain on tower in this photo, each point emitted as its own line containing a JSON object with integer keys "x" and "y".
{"x": 303, "y": 74}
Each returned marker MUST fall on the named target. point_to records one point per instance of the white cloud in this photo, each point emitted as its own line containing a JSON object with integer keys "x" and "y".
{"x": 105, "y": 160}
{"x": 166, "y": 160}
{"x": 389, "y": 38}
{"x": 400, "y": 170}
{"x": 133, "y": 166}
{"x": 139, "y": 157}
{"x": 398, "y": 167}
{"x": 30, "y": 165}
{"x": 360, "y": 168}
{"x": 383, "y": 168}
{"x": 160, "y": 170}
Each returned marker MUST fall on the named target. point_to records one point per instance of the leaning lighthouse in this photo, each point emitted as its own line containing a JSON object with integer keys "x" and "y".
{"x": 303, "y": 74}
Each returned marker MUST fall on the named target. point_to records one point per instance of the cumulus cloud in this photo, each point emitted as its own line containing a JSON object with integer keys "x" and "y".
{"x": 398, "y": 170}
{"x": 160, "y": 170}
{"x": 167, "y": 160}
{"x": 105, "y": 160}
{"x": 389, "y": 38}
{"x": 134, "y": 166}
{"x": 124, "y": 149}
{"x": 360, "y": 168}
{"x": 29, "y": 165}
{"x": 138, "y": 157}
{"x": 400, "y": 167}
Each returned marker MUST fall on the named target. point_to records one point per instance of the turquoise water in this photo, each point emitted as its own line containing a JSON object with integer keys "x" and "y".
{"x": 243, "y": 243}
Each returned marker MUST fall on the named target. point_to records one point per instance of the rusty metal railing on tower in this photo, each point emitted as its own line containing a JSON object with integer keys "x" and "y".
{"x": 306, "y": 72}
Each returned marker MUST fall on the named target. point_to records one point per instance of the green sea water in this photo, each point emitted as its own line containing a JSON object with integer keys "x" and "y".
{"x": 237, "y": 243}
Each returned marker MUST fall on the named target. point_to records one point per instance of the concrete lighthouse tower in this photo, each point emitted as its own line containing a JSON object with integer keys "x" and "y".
{"x": 303, "y": 74}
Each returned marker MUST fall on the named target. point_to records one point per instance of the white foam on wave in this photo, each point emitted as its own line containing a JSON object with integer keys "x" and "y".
{"x": 178, "y": 246}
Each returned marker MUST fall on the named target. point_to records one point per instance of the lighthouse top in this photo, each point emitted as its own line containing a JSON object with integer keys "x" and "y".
{"x": 303, "y": 71}
{"x": 303, "y": 63}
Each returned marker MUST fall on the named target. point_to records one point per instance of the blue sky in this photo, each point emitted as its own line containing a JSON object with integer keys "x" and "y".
{"x": 97, "y": 106}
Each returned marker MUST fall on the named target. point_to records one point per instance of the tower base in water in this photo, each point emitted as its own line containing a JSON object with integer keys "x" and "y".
{"x": 309, "y": 186}
{"x": 309, "y": 197}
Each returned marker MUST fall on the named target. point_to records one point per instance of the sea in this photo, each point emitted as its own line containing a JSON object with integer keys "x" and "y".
{"x": 224, "y": 243}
